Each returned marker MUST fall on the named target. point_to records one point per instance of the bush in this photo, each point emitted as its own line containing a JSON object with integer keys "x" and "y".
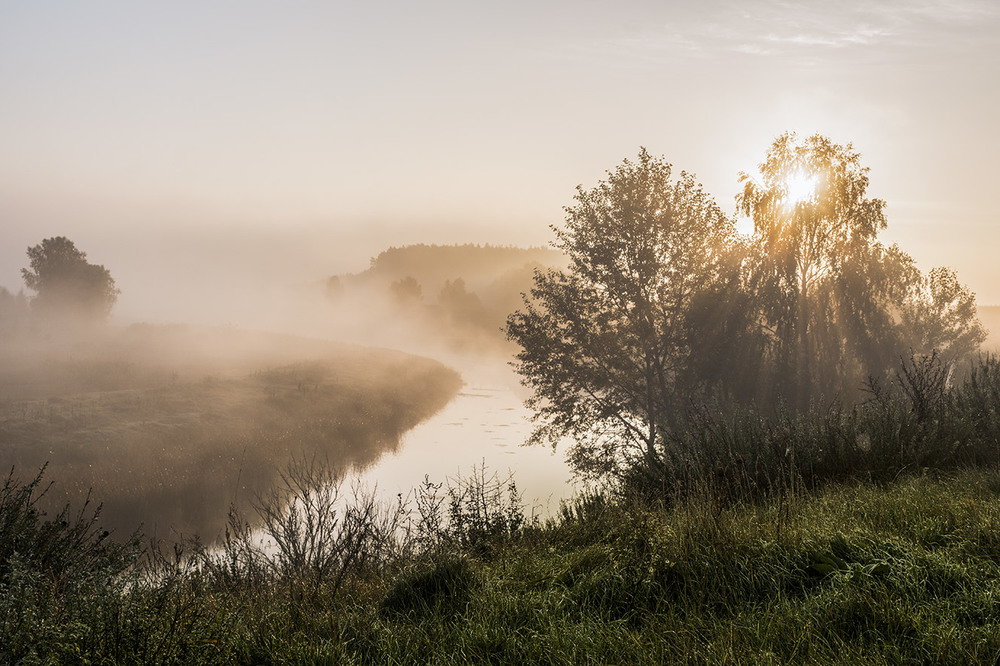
{"x": 313, "y": 536}
{"x": 60, "y": 575}
{"x": 473, "y": 515}
{"x": 65, "y": 547}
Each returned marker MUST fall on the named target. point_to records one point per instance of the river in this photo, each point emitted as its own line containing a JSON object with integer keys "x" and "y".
{"x": 484, "y": 425}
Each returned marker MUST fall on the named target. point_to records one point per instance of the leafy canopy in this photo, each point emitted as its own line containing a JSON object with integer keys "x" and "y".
{"x": 603, "y": 345}
{"x": 665, "y": 310}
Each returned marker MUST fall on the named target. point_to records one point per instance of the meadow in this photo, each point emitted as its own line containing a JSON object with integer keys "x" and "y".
{"x": 170, "y": 426}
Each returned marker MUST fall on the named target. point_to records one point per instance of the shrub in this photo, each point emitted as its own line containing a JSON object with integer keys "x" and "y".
{"x": 65, "y": 547}
{"x": 472, "y": 515}
{"x": 60, "y": 575}
{"x": 313, "y": 536}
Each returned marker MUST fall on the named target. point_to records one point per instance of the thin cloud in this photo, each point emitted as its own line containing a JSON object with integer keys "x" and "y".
{"x": 785, "y": 29}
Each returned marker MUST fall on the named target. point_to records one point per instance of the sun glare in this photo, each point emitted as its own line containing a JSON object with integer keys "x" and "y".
{"x": 800, "y": 186}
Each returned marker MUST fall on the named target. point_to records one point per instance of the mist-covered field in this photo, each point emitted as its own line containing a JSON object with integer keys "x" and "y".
{"x": 170, "y": 425}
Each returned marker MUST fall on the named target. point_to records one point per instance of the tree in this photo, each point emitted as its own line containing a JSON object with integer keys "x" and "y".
{"x": 604, "y": 345}
{"x": 838, "y": 305}
{"x": 460, "y": 306}
{"x": 65, "y": 284}
{"x": 939, "y": 315}
{"x": 823, "y": 282}
{"x": 406, "y": 292}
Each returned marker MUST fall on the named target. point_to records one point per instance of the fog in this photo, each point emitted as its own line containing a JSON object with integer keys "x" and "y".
{"x": 223, "y": 359}
{"x": 229, "y": 353}
{"x": 234, "y": 274}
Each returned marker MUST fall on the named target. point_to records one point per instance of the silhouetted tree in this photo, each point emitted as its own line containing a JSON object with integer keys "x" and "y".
{"x": 728, "y": 349}
{"x": 65, "y": 284}
{"x": 406, "y": 292}
{"x": 827, "y": 290}
{"x": 939, "y": 316}
{"x": 460, "y": 305}
{"x": 604, "y": 345}
{"x": 664, "y": 306}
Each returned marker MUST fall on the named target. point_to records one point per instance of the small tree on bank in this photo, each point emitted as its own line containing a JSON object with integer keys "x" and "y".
{"x": 66, "y": 285}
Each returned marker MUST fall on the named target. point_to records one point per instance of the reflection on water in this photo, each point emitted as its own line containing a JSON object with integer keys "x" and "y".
{"x": 486, "y": 423}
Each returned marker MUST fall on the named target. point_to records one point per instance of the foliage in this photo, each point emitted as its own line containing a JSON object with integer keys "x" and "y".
{"x": 469, "y": 514}
{"x": 460, "y": 306}
{"x": 825, "y": 282}
{"x": 312, "y": 534}
{"x": 665, "y": 312}
{"x": 603, "y": 345}
{"x": 55, "y": 572}
{"x": 839, "y": 305}
{"x": 431, "y": 265}
{"x": 406, "y": 292}
{"x": 65, "y": 546}
{"x": 917, "y": 420}
{"x": 450, "y": 297}
{"x": 940, "y": 315}
{"x": 65, "y": 284}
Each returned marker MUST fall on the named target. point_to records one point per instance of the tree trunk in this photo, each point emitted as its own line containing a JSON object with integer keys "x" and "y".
{"x": 803, "y": 361}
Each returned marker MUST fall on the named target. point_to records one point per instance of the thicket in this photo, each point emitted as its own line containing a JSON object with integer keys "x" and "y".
{"x": 927, "y": 415}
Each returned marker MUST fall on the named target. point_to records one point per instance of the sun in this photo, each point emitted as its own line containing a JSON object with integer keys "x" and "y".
{"x": 800, "y": 187}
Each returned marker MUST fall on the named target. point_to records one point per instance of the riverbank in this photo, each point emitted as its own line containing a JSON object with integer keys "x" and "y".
{"x": 863, "y": 573}
{"x": 169, "y": 426}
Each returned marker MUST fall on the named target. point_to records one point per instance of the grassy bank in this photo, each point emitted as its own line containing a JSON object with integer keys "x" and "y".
{"x": 902, "y": 572}
{"x": 171, "y": 425}
{"x": 860, "y": 535}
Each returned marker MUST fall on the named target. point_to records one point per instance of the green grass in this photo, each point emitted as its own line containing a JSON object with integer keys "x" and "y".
{"x": 902, "y": 572}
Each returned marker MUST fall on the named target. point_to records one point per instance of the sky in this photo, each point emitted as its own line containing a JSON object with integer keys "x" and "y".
{"x": 203, "y": 150}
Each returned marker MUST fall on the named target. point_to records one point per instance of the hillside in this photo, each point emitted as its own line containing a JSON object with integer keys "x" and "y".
{"x": 432, "y": 265}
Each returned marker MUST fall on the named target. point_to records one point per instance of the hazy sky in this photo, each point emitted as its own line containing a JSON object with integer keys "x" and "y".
{"x": 245, "y": 143}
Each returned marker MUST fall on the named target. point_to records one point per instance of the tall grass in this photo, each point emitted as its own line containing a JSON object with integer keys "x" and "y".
{"x": 917, "y": 420}
{"x": 853, "y": 573}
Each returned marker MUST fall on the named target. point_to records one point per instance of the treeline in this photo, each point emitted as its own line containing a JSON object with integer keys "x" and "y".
{"x": 457, "y": 296}
{"x": 433, "y": 264}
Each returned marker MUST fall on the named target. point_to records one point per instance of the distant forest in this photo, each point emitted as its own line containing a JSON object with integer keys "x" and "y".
{"x": 458, "y": 296}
